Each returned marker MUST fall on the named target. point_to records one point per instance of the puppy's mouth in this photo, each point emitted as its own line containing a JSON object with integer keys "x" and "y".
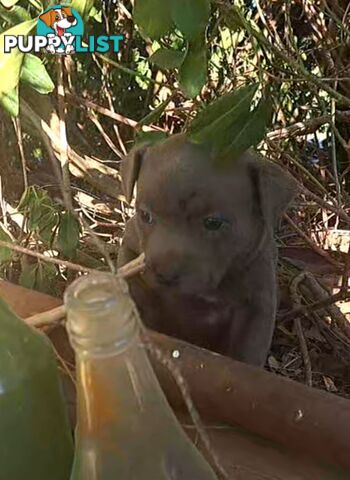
{"x": 180, "y": 285}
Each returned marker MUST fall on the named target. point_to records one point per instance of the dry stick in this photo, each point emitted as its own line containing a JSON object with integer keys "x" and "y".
{"x": 105, "y": 78}
{"x": 63, "y": 152}
{"x": 326, "y": 205}
{"x": 307, "y": 126}
{"x": 40, "y": 256}
{"x": 69, "y": 265}
{"x": 308, "y": 240}
{"x": 334, "y": 152}
{"x": 299, "y": 329}
{"x": 184, "y": 390}
{"x": 18, "y": 130}
{"x": 105, "y": 136}
{"x": 319, "y": 305}
{"x": 108, "y": 113}
{"x": 334, "y": 311}
{"x": 297, "y": 67}
{"x": 52, "y": 317}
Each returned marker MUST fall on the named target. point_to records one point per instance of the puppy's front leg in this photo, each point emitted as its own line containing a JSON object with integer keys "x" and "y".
{"x": 253, "y": 321}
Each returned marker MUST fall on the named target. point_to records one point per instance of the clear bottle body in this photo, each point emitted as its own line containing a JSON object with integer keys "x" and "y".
{"x": 126, "y": 429}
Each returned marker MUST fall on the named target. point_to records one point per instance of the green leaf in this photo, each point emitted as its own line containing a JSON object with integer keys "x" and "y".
{"x": 6, "y": 254}
{"x": 232, "y": 20}
{"x": 27, "y": 277}
{"x": 191, "y": 16}
{"x": 10, "y": 102}
{"x": 167, "y": 58}
{"x": 96, "y": 14}
{"x": 193, "y": 71}
{"x": 14, "y": 15}
{"x": 153, "y": 17}
{"x": 223, "y": 107}
{"x": 68, "y": 234}
{"x": 83, "y": 7}
{"x": 40, "y": 211}
{"x": 11, "y": 62}
{"x": 149, "y": 138}
{"x": 155, "y": 114}
{"x": 34, "y": 72}
{"x": 251, "y": 131}
{"x": 26, "y": 199}
{"x": 46, "y": 275}
{"x": 221, "y": 121}
{"x": 47, "y": 225}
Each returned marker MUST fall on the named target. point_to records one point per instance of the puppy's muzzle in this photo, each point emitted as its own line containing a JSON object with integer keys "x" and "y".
{"x": 169, "y": 278}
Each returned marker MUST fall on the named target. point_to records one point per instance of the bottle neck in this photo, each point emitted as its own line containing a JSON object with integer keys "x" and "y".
{"x": 101, "y": 317}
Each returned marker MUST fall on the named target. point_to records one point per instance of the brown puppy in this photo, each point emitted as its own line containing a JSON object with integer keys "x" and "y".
{"x": 207, "y": 235}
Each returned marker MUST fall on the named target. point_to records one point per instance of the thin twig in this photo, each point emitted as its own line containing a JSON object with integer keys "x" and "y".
{"x": 45, "y": 258}
{"x": 308, "y": 240}
{"x": 18, "y": 130}
{"x": 182, "y": 385}
{"x": 63, "y": 153}
{"x": 128, "y": 270}
{"x": 53, "y": 316}
{"x": 78, "y": 101}
{"x": 319, "y": 305}
{"x": 299, "y": 329}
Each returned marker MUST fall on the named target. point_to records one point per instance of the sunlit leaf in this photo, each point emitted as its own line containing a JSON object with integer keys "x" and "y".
{"x": 8, "y": 3}
{"x": 83, "y": 7}
{"x": 11, "y": 62}
{"x": 35, "y": 74}
{"x": 14, "y": 15}
{"x": 10, "y": 102}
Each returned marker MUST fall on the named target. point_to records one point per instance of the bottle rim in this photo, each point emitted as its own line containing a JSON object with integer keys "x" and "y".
{"x": 101, "y": 315}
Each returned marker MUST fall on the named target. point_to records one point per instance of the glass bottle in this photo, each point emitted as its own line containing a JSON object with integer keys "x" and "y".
{"x": 126, "y": 429}
{"x": 36, "y": 441}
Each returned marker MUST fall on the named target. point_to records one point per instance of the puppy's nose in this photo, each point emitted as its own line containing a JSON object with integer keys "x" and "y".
{"x": 170, "y": 278}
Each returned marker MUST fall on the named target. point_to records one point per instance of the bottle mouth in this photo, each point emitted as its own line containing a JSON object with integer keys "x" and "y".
{"x": 100, "y": 313}
{"x": 93, "y": 292}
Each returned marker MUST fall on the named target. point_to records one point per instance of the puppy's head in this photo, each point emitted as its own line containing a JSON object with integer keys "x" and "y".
{"x": 63, "y": 17}
{"x": 195, "y": 220}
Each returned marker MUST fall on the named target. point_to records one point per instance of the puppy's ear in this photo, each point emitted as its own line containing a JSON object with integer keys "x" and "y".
{"x": 130, "y": 170}
{"x": 47, "y": 18}
{"x": 274, "y": 189}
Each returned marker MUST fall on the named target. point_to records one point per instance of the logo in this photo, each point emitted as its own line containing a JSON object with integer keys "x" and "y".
{"x": 60, "y": 31}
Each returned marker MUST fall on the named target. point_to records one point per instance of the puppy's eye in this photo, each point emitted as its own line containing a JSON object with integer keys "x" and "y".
{"x": 57, "y": 17}
{"x": 146, "y": 216}
{"x": 214, "y": 223}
